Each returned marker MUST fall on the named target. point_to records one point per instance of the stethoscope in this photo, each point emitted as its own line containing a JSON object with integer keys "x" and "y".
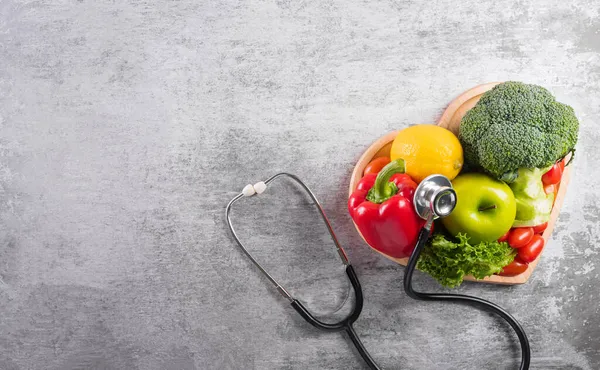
{"x": 434, "y": 198}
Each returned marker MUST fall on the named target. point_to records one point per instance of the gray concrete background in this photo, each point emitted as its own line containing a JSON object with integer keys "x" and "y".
{"x": 126, "y": 126}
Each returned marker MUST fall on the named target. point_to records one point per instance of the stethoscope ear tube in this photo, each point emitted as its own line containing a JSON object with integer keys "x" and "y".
{"x": 342, "y": 325}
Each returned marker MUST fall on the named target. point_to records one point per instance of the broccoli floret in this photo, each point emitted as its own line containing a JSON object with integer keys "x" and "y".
{"x": 517, "y": 125}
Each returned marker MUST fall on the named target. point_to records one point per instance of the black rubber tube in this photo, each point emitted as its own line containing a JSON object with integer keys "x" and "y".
{"x": 361, "y": 348}
{"x": 461, "y": 298}
{"x": 345, "y": 324}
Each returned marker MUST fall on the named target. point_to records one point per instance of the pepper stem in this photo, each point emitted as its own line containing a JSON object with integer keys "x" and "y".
{"x": 383, "y": 188}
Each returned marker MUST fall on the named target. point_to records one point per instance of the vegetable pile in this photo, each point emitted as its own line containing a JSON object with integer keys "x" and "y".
{"x": 505, "y": 165}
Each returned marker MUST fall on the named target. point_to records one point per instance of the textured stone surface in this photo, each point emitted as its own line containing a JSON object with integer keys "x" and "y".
{"x": 126, "y": 126}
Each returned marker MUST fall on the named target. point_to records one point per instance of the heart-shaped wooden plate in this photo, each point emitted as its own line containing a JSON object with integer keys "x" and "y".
{"x": 451, "y": 120}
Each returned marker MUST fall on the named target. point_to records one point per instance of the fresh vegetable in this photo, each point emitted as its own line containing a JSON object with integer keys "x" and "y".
{"x": 553, "y": 175}
{"x": 382, "y": 208}
{"x": 533, "y": 204}
{"x": 448, "y": 261}
{"x": 427, "y": 150}
{"x": 540, "y": 228}
{"x": 515, "y": 268}
{"x": 530, "y": 252}
{"x": 376, "y": 165}
{"x": 516, "y": 125}
{"x": 520, "y": 236}
{"x": 485, "y": 209}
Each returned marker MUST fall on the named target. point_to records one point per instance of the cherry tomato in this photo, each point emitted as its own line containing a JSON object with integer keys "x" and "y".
{"x": 504, "y": 237}
{"x": 532, "y": 250}
{"x": 520, "y": 236}
{"x": 549, "y": 189}
{"x": 376, "y": 165}
{"x": 516, "y": 267}
{"x": 553, "y": 175}
{"x": 540, "y": 228}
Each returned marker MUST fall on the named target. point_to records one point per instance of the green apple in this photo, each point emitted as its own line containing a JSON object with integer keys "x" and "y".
{"x": 485, "y": 208}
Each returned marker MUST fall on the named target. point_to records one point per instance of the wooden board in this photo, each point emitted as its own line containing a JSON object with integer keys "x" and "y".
{"x": 451, "y": 120}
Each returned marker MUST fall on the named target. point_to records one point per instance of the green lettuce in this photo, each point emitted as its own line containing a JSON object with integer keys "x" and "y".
{"x": 448, "y": 261}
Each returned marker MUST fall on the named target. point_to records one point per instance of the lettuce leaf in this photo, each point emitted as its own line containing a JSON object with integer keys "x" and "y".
{"x": 448, "y": 261}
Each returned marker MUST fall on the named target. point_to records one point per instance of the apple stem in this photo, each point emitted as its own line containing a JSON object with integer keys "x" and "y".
{"x": 493, "y": 206}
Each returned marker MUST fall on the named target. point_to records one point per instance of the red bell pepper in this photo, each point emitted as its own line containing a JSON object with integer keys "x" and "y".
{"x": 382, "y": 209}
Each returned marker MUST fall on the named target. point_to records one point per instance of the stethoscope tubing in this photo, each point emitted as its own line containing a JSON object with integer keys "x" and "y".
{"x": 279, "y": 287}
{"x": 342, "y": 325}
{"x": 346, "y": 323}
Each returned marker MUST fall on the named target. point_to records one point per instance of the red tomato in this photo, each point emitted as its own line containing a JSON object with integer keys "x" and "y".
{"x": 530, "y": 252}
{"x": 520, "y": 236}
{"x": 504, "y": 237}
{"x": 540, "y": 228}
{"x": 376, "y": 165}
{"x": 516, "y": 267}
{"x": 553, "y": 175}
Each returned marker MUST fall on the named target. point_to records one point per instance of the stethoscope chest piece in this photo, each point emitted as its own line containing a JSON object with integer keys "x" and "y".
{"x": 434, "y": 197}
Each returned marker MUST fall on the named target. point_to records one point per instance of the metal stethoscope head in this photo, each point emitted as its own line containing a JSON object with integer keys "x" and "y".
{"x": 434, "y": 197}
